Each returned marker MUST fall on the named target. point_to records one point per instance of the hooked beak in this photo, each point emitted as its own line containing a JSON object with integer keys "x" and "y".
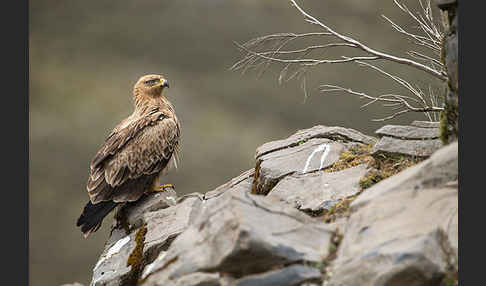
{"x": 165, "y": 83}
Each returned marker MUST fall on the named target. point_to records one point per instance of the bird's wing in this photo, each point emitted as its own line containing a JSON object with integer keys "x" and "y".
{"x": 132, "y": 157}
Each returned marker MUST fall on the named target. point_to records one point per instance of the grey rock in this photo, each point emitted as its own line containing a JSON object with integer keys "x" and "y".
{"x": 316, "y": 192}
{"x": 240, "y": 183}
{"x": 439, "y": 169}
{"x": 313, "y": 155}
{"x": 239, "y": 233}
{"x": 199, "y": 279}
{"x": 288, "y": 276}
{"x": 155, "y": 201}
{"x": 400, "y": 229}
{"x": 303, "y": 152}
{"x": 131, "y": 214}
{"x": 73, "y": 284}
{"x": 339, "y": 224}
{"x": 319, "y": 131}
{"x": 191, "y": 195}
{"x": 445, "y": 4}
{"x": 417, "y": 148}
{"x": 450, "y": 114}
{"x": 196, "y": 279}
{"x": 408, "y": 132}
{"x": 398, "y": 238}
{"x": 450, "y": 130}
{"x": 452, "y": 58}
{"x": 111, "y": 268}
{"x": 426, "y": 124}
{"x": 117, "y": 233}
{"x": 164, "y": 225}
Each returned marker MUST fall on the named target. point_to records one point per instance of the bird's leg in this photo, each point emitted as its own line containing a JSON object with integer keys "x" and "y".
{"x": 163, "y": 188}
{"x": 121, "y": 219}
{"x": 157, "y": 187}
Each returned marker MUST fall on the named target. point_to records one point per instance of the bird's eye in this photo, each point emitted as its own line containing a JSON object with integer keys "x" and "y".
{"x": 152, "y": 81}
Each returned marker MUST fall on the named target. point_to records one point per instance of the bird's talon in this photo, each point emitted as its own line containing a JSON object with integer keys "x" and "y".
{"x": 163, "y": 188}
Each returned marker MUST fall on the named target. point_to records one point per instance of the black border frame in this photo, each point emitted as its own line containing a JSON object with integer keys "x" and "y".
{"x": 15, "y": 142}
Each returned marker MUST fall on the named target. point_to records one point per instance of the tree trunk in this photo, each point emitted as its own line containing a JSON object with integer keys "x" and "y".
{"x": 450, "y": 116}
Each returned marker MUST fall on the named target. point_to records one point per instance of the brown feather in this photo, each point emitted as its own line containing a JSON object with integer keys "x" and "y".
{"x": 134, "y": 155}
{"x": 136, "y": 151}
{"x": 147, "y": 151}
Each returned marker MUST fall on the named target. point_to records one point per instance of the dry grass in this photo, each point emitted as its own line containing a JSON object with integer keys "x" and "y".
{"x": 381, "y": 167}
{"x": 356, "y": 155}
{"x": 339, "y": 210}
{"x": 386, "y": 166}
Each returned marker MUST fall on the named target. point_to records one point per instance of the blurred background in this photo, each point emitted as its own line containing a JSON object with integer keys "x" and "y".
{"x": 85, "y": 57}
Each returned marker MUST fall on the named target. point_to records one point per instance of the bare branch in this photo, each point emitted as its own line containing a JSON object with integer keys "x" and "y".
{"x": 261, "y": 52}
{"x": 421, "y": 56}
{"x": 265, "y": 56}
{"x": 367, "y": 49}
{"x": 397, "y": 101}
{"x": 432, "y": 44}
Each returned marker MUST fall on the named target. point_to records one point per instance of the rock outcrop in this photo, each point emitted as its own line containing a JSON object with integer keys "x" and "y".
{"x": 408, "y": 140}
{"x": 309, "y": 213}
{"x": 403, "y": 231}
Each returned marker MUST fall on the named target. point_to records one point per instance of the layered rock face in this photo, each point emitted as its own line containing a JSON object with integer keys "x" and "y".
{"x": 305, "y": 215}
{"x": 450, "y": 58}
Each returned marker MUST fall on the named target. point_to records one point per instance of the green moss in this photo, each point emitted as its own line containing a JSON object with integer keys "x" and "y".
{"x": 354, "y": 156}
{"x": 301, "y": 142}
{"x": 371, "y": 178}
{"x": 385, "y": 166}
{"x": 449, "y": 128}
{"x": 336, "y": 239}
{"x": 450, "y": 279}
{"x": 442, "y": 52}
{"x": 340, "y": 209}
{"x": 136, "y": 256}
{"x": 444, "y": 132}
{"x": 448, "y": 122}
{"x": 382, "y": 169}
{"x": 324, "y": 266}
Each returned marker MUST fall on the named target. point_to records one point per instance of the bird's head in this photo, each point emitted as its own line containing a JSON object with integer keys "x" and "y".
{"x": 151, "y": 85}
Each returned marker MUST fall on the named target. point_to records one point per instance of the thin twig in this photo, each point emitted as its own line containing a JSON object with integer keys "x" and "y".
{"x": 261, "y": 52}
{"x": 367, "y": 49}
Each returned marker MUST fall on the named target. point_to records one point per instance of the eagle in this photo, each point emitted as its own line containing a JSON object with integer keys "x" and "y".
{"x": 134, "y": 156}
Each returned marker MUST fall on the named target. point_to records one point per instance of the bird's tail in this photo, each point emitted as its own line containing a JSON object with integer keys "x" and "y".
{"x": 92, "y": 216}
